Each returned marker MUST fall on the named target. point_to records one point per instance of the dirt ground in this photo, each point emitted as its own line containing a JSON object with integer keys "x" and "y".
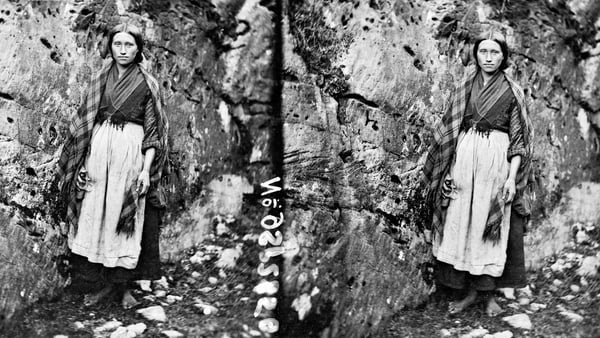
{"x": 556, "y": 285}
{"x": 230, "y": 291}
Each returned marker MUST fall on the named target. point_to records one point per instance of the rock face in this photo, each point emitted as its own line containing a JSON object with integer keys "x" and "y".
{"x": 214, "y": 63}
{"x": 364, "y": 83}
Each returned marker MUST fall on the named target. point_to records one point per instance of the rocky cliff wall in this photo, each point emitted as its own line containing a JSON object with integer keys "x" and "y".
{"x": 213, "y": 61}
{"x": 364, "y": 83}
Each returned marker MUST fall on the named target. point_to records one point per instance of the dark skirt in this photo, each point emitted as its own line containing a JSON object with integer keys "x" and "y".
{"x": 148, "y": 267}
{"x": 514, "y": 269}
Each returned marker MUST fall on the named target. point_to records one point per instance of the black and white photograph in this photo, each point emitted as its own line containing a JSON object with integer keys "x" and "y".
{"x": 300, "y": 168}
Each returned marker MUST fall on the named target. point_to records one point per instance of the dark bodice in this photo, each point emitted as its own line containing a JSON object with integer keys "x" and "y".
{"x": 498, "y": 118}
{"x": 132, "y": 110}
{"x": 129, "y": 100}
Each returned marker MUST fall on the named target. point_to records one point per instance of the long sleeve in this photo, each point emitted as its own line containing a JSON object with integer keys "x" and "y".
{"x": 151, "y": 139}
{"x": 517, "y": 145}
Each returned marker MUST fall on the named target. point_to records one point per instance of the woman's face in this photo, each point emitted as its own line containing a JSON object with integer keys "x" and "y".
{"x": 124, "y": 48}
{"x": 489, "y": 56}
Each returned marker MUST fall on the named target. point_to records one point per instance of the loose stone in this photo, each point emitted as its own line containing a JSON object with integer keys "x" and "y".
{"x": 108, "y": 326}
{"x": 155, "y": 313}
{"x": 172, "y": 334}
{"x": 573, "y": 317}
{"x": 476, "y": 333}
{"x": 519, "y": 321}
{"x": 508, "y": 293}
{"x": 537, "y": 306}
{"x": 589, "y": 266}
{"x": 445, "y": 333}
{"x": 502, "y": 334}
{"x": 144, "y": 285}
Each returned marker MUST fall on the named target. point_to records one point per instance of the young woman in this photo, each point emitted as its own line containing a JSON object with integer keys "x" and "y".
{"x": 477, "y": 169}
{"x": 113, "y": 157}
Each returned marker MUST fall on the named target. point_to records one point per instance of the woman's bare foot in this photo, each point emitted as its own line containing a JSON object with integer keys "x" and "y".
{"x": 491, "y": 307}
{"x": 128, "y": 300}
{"x": 456, "y": 307}
{"x": 94, "y": 298}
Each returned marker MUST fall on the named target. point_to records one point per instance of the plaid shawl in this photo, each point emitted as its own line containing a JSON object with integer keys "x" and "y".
{"x": 441, "y": 155}
{"x": 78, "y": 140}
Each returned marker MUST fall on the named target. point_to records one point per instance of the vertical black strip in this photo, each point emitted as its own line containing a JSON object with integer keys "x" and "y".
{"x": 277, "y": 140}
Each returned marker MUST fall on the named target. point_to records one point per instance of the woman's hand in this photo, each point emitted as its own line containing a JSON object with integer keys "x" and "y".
{"x": 81, "y": 179}
{"x": 508, "y": 193}
{"x": 143, "y": 182}
{"x": 447, "y": 187}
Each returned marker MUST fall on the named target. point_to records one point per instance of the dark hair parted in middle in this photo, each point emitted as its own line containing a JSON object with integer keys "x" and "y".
{"x": 499, "y": 39}
{"x": 131, "y": 30}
